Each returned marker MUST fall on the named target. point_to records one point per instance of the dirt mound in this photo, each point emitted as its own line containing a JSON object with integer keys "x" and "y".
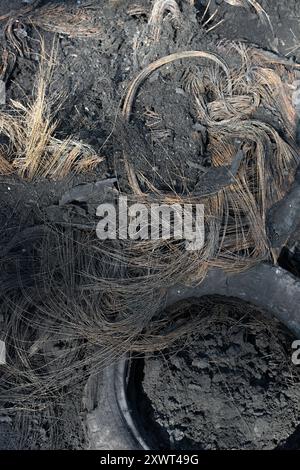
{"x": 232, "y": 386}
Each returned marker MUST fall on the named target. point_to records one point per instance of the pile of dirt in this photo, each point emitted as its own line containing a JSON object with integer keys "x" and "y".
{"x": 232, "y": 386}
{"x": 280, "y": 33}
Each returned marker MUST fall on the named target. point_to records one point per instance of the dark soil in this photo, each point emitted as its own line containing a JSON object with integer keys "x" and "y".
{"x": 231, "y": 386}
{"x": 94, "y": 74}
{"x": 58, "y": 427}
{"x": 284, "y": 17}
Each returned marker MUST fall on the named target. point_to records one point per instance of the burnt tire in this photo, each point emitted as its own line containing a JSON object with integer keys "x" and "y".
{"x": 109, "y": 421}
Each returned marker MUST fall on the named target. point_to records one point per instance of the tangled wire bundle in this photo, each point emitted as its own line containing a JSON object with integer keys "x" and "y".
{"x": 231, "y": 103}
{"x": 88, "y": 302}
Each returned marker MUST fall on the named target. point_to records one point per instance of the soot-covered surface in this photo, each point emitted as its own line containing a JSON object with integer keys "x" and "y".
{"x": 231, "y": 386}
{"x": 93, "y": 75}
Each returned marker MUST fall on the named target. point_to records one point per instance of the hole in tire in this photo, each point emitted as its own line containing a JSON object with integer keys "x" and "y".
{"x": 229, "y": 385}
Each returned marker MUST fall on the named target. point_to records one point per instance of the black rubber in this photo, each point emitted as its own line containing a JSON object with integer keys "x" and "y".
{"x": 108, "y": 421}
{"x": 269, "y": 287}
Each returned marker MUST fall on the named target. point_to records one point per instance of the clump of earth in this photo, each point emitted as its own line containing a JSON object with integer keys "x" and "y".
{"x": 232, "y": 385}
